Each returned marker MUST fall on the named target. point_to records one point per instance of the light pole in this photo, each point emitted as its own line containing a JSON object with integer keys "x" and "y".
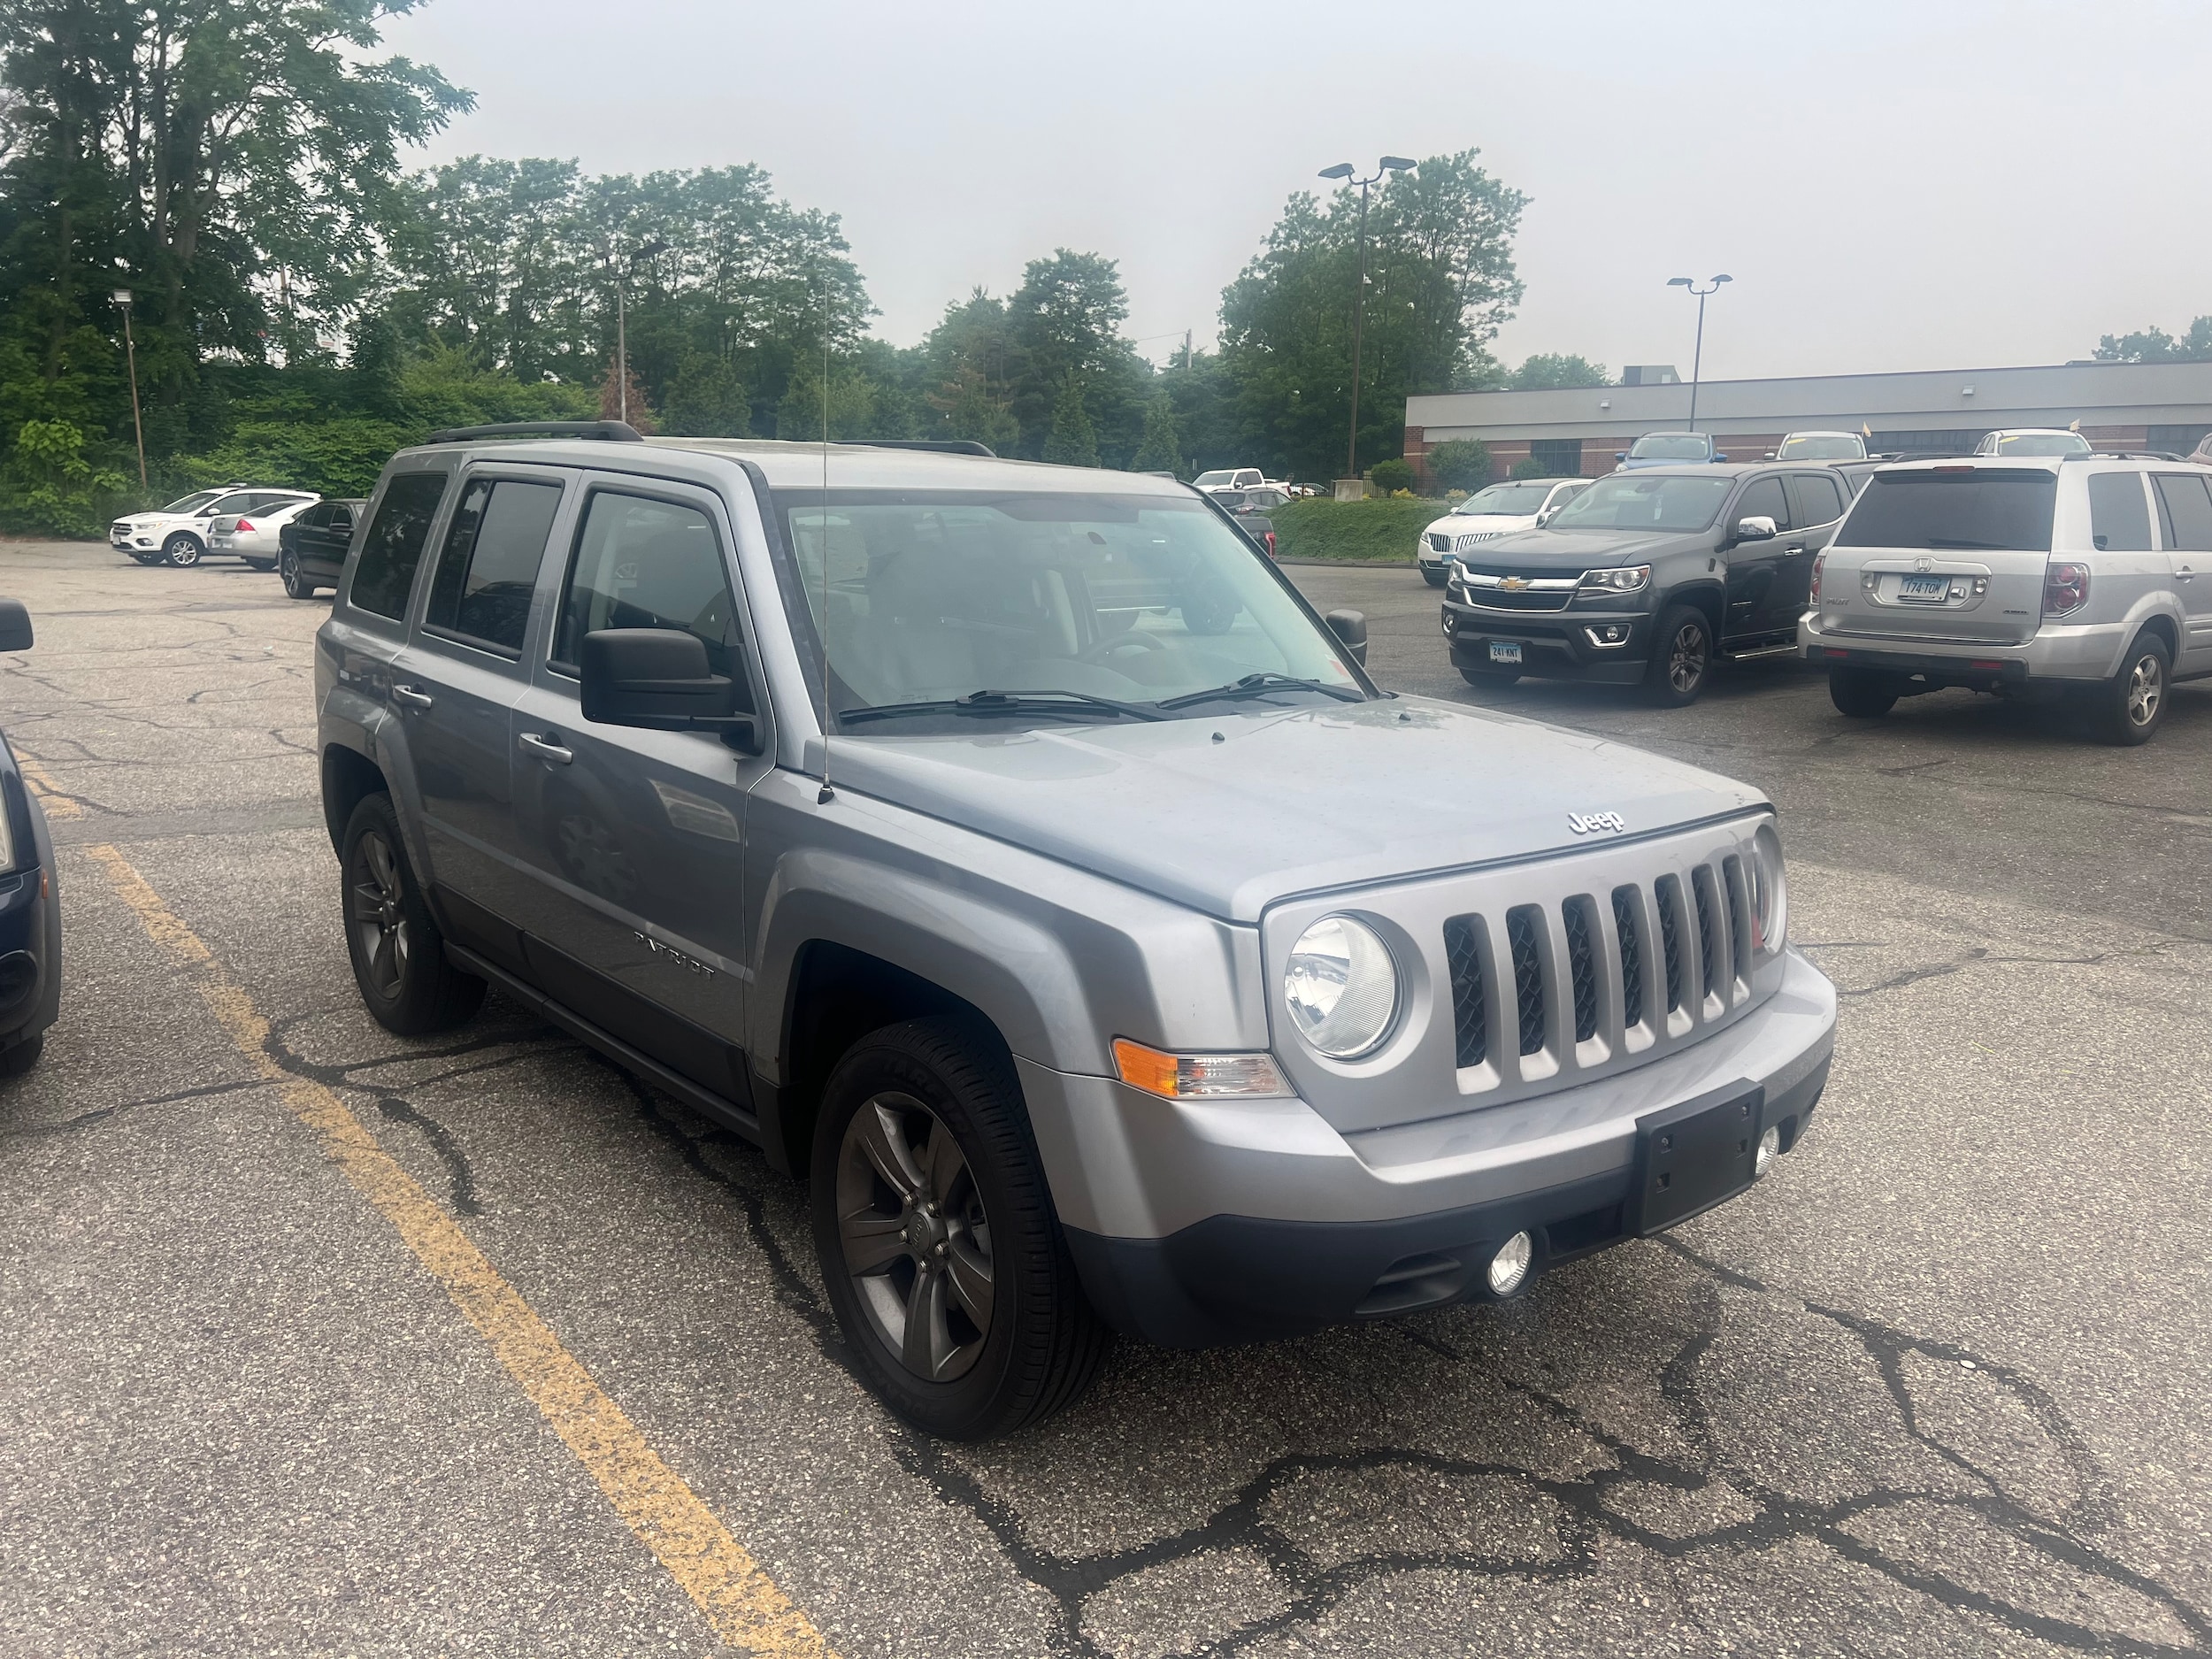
{"x": 1343, "y": 171}
{"x": 622, "y": 269}
{"x": 130, "y": 350}
{"x": 1697, "y": 354}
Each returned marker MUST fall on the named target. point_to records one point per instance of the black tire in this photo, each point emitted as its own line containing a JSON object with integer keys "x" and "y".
{"x": 1681, "y": 657}
{"x": 182, "y": 550}
{"x": 2128, "y": 708}
{"x": 1864, "y": 694}
{"x": 1434, "y": 578}
{"x": 16, "y": 1061}
{"x": 398, "y": 955}
{"x": 260, "y": 564}
{"x": 968, "y": 1220}
{"x": 1490, "y": 679}
{"x": 297, "y": 582}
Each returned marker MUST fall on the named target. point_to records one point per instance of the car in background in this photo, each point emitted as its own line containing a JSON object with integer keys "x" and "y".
{"x": 1819, "y": 446}
{"x": 255, "y": 539}
{"x": 1230, "y": 478}
{"x": 311, "y": 545}
{"x": 1250, "y": 507}
{"x": 2021, "y": 443}
{"x": 2042, "y": 576}
{"x": 2201, "y": 456}
{"x": 1669, "y": 449}
{"x": 1520, "y": 504}
{"x": 179, "y": 533}
{"x": 30, "y": 898}
{"x": 1647, "y": 579}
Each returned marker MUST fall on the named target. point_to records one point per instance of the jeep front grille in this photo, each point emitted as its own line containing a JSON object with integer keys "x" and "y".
{"x": 1628, "y": 919}
{"x": 1469, "y": 1005}
{"x": 1528, "y": 974}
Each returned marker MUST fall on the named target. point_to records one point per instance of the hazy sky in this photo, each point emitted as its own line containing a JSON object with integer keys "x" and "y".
{"x": 1892, "y": 186}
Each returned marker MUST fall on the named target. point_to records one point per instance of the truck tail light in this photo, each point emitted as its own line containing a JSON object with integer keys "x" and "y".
{"x": 1820, "y": 562}
{"x": 2065, "y": 588}
{"x": 1270, "y": 545}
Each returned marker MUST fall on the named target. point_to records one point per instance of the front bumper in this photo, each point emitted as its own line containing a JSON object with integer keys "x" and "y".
{"x": 2078, "y": 652}
{"x": 1555, "y": 644}
{"x": 1195, "y": 1223}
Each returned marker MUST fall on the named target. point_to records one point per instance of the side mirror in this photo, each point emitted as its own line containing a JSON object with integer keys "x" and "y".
{"x": 1543, "y": 518}
{"x": 1768, "y": 456}
{"x": 1350, "y": 628}
{"x": 15, "y": 625}
{"x": 1758, "y": 528}
{"x": 1720, "y": 457}
{"x": 658, "y": 678}
{"x": 1620, "y": 455}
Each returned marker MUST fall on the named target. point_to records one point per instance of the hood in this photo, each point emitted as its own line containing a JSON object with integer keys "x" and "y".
{"x": 1584, "y": 550}
{"x": 1475, "y": 523}
{"x": 1289, "y": 800}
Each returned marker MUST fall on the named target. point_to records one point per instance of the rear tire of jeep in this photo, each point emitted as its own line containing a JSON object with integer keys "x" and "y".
{"x": 1489, "y": 679}
{"x": 935, "y": 1233}
{"x": 1863, "y": 694}
{"x": 297, "y": 581}
{"x": 2128, "y": 708}
{"x": 1681, "y": 657}
{"x": 398, "y": 955}
{"x": 182, "y": 550}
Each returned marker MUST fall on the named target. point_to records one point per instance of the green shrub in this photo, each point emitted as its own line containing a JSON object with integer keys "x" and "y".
{"x": 1461, "y": 464}
{"x": 1385, "y": 531}
{"x": 1529, "y": 468}
{"x": 1389, "y": 477}
{"x": 48, "y": 488}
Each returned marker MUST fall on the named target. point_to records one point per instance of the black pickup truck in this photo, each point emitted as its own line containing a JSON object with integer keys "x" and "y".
{"x": 1250, "y": 508}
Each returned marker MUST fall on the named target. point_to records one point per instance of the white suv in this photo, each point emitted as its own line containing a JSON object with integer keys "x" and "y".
{"x": 1521, "y": 504}
{"x": 179, "y": 533}
{"x": 2089, "y": 576}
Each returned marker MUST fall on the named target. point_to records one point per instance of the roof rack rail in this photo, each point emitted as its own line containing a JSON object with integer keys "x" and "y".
{"x": 606, "y": 431}
{"x": 942, "y": 446}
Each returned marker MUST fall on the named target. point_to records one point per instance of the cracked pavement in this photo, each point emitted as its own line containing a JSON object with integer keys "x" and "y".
{"x": 1935, "y": 1386}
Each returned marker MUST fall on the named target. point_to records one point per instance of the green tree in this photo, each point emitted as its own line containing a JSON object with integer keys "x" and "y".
{"x": 1391, "y": 476}
{"x": 851, "y": 407}
{"x": 47, "y": 485}
{"x": 1461, "y": 464}
{"x": 1529, "y": 466}
{"x": 967, "y": 408}
{"x": 1161, "y": 451}
{"x": 707, "y": 400}
{"x": 1064, "y": 321}
{"x": 1072, "y": 442}
{"x": 2155, "y": 345}
{"x": 1548, "y": 372}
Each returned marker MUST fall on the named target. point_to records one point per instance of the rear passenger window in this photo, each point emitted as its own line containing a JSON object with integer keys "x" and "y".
{"x": 1765, "y": 499}
{"x": 2119, "y": 516}
{"x": 2186, "y": 507}
{"x": 644, "y": 563}
{"x": 386, "y": 573}
{"x": 1818, "y": 497}
{"x": 490, "y": 566}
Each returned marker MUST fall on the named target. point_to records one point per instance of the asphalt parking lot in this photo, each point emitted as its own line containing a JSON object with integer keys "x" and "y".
{"x": 319, "y": 1341}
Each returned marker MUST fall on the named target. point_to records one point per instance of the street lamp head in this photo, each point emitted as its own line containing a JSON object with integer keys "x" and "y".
{"x": 1342, "y": 169}
{"x": 1679, "y": 282}
{"x": 1398, "y": 164}
{"x": 122, "y": 296}
{"x": 1718, "y": 280}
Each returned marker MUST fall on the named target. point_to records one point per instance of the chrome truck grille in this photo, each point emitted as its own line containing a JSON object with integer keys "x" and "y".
{"x": 1545, "y": 973}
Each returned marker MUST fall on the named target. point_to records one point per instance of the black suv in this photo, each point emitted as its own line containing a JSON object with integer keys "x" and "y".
{"x": 311, "y": 549}
{"x": 1646, "y": 577}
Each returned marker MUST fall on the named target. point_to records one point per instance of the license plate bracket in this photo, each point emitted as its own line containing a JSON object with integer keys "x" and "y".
{"x": 1692, "y": 1156}
{"x": 1505, "y": 650}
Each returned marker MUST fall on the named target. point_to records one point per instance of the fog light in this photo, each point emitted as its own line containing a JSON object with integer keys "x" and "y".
{"x": 1605, "y": 635}
{"x": 1770, "y": 1150}
{"x": 1451, "y": 623}
{"x": 1508, "y": 1268}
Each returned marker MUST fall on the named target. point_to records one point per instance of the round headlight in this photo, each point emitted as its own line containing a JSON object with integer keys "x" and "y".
{"x": 1341, "y": 987}
{"x": 1770, "y": 893}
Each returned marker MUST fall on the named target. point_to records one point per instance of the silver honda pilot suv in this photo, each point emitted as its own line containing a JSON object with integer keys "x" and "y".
{"x": 1013, "y": 854}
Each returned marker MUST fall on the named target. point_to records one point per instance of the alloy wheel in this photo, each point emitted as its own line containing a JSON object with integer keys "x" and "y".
{"x": 1685, "y": 665}
{"x": 2147, "y": 687}
{"x": 379, "y": 923}
{"x": 182, "y": 551}
{"x": 915, "y": 1241}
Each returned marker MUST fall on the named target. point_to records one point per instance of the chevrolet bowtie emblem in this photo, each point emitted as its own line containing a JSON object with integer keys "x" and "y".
{"x": 1513, "y": 584}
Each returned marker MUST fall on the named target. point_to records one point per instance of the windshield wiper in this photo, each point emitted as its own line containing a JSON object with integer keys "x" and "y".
{"x": 1256, "y": 685}
{"x": 989, "y": 702}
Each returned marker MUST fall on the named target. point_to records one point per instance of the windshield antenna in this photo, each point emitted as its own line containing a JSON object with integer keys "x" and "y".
{"x": 826, "y": 794}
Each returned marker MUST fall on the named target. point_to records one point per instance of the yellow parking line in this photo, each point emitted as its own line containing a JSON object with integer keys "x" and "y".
{"x": 746, "y": 1607}
{"x": 49, "y": 792}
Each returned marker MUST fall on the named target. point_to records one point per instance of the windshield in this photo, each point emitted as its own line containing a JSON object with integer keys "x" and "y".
{"x": 933, "y": 596}
{"x": 2002, "y": 508}
{"x": 1822, "y": 447}
{"x": 1628, "y": 502}
{"x": 2027, "y": 444}
{"x": 1671, "y": 446}
{"x": 1524, "y": 501}
{"x": 1206, "y": 480}
{"x": 193, "y": 502}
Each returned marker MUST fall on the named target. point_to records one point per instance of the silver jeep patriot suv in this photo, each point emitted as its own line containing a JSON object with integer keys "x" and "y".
{"x": 1014, "y": 855}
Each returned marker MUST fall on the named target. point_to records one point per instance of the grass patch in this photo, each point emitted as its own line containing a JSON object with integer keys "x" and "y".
{"x": 1356, "y": 531}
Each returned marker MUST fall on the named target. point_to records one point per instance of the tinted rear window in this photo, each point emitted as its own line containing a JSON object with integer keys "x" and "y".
{"x": 2002, "y": 509}
{"x": 385, "y": 571}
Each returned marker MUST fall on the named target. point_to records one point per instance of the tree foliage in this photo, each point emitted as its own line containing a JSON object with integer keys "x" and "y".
{"x": 1548, "y": 372}
{"x": 1461, "y": 464}
{"x": 2155, "y": 345}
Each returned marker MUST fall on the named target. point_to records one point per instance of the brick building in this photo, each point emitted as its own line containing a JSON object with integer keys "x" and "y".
{"x": 1576, "y": 432}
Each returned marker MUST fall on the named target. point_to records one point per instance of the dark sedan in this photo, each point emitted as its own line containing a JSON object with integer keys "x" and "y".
{"x": 311, "y": 549}
{"x": 30, "y": 898}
